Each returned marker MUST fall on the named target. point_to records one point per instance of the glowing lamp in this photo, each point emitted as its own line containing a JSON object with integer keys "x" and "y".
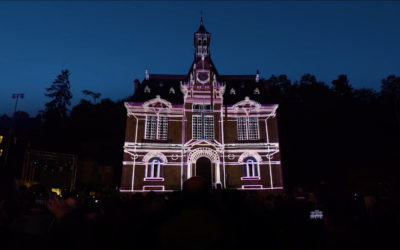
{"x": 56, "y": 190}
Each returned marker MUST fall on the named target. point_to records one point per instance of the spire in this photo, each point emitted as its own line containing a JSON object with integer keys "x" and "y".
{"x": 202, "y": 29}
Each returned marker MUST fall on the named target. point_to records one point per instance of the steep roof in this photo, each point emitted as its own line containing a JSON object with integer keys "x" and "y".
{"x": 236, "y": 89}
{"x": 239, "y": 86}
{"x": 160, "y": 84}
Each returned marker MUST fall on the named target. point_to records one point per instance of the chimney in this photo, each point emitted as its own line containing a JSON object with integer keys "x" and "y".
{"x": 136, "y": 85}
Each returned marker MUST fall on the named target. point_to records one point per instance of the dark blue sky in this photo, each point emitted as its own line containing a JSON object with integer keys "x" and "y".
{"x": 106, "y": 45}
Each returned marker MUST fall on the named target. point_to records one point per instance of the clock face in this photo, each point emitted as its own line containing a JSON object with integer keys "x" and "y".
{"x": 202, "y": 76}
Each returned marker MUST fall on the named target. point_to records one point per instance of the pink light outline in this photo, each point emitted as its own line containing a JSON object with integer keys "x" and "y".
{"x": 153, "y": 179}
{"x": 153, "y": 186}
{"x": 257, "y": 178}
{"x": 252, "y": 186}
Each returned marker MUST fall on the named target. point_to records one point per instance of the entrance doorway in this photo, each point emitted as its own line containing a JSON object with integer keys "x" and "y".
{"x": 203, "y": 169}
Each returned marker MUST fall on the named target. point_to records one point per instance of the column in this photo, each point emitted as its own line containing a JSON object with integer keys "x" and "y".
{"x": 217, "y": 174}
{"x": 189, "y": 170}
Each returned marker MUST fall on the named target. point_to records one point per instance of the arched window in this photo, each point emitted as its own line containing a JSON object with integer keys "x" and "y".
{"x": 250, "y": 169}
{"x": 154, "y": 169}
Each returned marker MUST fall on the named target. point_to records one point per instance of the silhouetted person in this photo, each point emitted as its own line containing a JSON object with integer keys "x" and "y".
{"x": 195, "y": 227}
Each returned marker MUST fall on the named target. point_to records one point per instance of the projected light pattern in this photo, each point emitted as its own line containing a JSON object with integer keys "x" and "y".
{"x": 170, "y": 132}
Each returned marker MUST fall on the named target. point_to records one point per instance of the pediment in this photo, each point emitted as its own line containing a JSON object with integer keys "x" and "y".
{"x": 203, "y": 143}
{"x": 247, "y": 105}
{"x": 157, "y": 104}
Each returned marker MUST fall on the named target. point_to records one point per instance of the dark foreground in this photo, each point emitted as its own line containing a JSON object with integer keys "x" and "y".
{"x": 198, "y": 219}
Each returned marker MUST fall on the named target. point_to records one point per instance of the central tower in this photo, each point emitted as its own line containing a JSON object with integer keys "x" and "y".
{"x": 202, "y": 86}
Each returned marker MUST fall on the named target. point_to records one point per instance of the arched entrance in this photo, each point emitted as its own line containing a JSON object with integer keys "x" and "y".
{"x": 203, "y": 169}
{"x": 205, "y": 162}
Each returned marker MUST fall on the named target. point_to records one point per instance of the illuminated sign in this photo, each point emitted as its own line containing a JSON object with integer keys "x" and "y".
{"x": 316, "y": 215}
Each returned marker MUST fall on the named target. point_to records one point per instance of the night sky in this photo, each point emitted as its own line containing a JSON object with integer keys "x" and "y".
{"x": 106, "y": 45}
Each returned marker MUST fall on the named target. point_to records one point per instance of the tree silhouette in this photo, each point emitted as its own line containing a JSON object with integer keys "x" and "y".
{"x": 342, "y": 86}
{"x": 390, "y": 90}
{"x": 60, "y": 94}
{"x": 95, "y": 96}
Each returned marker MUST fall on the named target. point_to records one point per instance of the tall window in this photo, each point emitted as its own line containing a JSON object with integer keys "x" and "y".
{"x": 250, "y": 168}
{"x": 154, "y": 169}
{"x": 156, "y": 127}
{"x": 247, "y": 128}
{"x": 196, "y": 127}
{"x": 202, "y": 126}
{"x": 209, "y": 127}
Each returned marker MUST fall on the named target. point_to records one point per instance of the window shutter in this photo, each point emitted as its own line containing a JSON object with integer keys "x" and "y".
{"x": 162, "y": 169}
{"x": 244, "y": 169}
{"x": 256, "y": 169}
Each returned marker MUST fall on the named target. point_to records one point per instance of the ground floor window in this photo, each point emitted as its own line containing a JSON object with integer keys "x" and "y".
{"x": 250, "y": 169}
{"x": 154, "y": 169}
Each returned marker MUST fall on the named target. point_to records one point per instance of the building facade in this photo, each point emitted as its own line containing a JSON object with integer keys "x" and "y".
{"x": 220, "y": 127}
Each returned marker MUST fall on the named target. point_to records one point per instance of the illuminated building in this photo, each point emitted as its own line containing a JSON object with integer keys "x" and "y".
{"x": 202, "y": 123}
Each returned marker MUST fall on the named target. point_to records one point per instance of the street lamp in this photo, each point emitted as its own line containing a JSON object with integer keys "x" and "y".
{"x": 1, "y": 150}
{"x": 17, "y": 96}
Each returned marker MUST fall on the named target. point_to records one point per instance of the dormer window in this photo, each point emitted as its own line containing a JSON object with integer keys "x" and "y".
{"x": 232, "y": 92}
{"x": 256, "y": 91}
{"x": 147, "y": 89}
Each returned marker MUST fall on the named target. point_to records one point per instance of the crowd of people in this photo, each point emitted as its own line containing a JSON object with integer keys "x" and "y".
{"x": 196, "y": 218}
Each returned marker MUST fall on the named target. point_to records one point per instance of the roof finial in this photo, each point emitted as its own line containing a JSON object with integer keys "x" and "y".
{"x": 257, "y": 76}
{"x": 201, "y": 17}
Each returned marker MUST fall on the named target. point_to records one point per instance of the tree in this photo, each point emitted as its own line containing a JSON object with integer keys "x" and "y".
{"x": 390, "y": 90}
{"x": 95, "y": 96}
{"x": 342, "y": 87}
{"x": 60, "y": 94}
{"x": 310, "y": 90}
